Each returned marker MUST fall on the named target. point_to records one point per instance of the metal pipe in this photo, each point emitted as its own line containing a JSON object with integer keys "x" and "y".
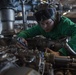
{"x": 31, "y": 60}
{"x": 67, "y": 46}
{"x": 71, "y": 51}
{"x": 24, "y": 17}
{"x": 7, "y": 19}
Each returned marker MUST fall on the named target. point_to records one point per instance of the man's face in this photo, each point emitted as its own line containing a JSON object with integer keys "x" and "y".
{"x": 47, "y": 25}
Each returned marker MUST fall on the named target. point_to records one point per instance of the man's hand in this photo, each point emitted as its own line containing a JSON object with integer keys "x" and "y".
{"x": 52, "y": 52}
{"x": 21, "y": 43}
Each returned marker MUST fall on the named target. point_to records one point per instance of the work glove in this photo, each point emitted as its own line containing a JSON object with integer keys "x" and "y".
{"x": 21, "y": 43}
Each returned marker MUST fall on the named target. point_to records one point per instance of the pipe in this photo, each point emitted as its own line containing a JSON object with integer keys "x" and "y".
{"x": 7, "y": 19}
{"x": 68, "y": 48}
{"x": 24, "y": 17}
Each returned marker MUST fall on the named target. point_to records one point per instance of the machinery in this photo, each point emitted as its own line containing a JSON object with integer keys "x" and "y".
{"x": 23, "y": 62}
{"x": 33, "y": 60}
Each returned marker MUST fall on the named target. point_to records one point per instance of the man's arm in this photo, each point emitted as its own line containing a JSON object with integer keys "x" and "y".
{"x": 69, "y": 29}
{"x": 66, "y": 28}
{"x": 30, "y": 32}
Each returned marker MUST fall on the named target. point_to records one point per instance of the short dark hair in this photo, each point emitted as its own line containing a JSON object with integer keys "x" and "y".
{"x": 45, "y": 12}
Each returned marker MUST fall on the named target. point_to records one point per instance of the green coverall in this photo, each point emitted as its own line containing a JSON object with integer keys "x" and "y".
{"x": 65, "y": 28}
